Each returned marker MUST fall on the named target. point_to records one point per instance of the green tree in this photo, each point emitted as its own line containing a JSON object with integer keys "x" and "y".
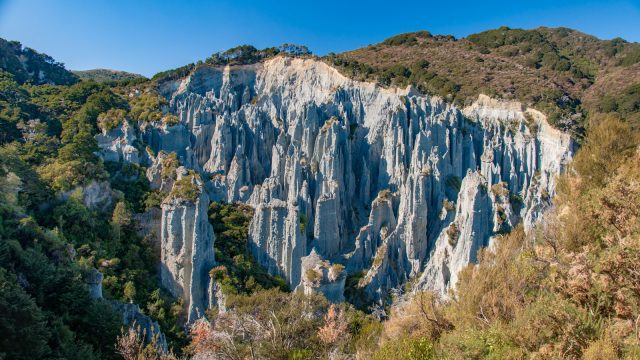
{"x": 129, "y": 291}
{"x": 23, "y": 327}
{"x": 121, "y": 218}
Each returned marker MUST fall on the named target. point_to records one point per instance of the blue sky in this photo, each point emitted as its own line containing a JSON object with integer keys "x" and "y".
{"x": 146, "y": 36}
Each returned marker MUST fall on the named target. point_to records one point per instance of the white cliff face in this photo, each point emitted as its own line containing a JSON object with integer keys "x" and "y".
{"x": 118, "y": 144}
{"x": 96, "y": 195}
{"x": 371, "y": 178}
{"x": 469, "y": 231}
{"x": 187, "y": 248}
{"x": 319, "y": 275}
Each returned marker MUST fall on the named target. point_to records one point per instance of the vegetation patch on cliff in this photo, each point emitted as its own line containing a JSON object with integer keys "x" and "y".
{"x": 238, "y": 273}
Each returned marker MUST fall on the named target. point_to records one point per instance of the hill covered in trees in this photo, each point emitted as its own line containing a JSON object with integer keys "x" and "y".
{"x": 562, "y": 72}
{"x": 106, "y": 75}
{"x": 28, "y": 65}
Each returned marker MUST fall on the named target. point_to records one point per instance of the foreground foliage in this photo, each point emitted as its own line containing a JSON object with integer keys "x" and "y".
{"x": 271, "y": 324}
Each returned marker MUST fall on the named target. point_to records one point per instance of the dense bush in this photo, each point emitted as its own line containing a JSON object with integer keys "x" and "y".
{"x": 174, "y": 73}
{"x": 238, "y": 273}
{"x": 406, "y": 39}
{"x": 47, "y": 310}
{"x": 147, "y": 107}
{"x": 305, "y": 327}
{"x": 626, "y": 103}
{"x": 632, "y": 57}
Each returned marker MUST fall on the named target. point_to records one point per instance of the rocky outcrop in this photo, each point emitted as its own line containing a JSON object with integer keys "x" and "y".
{"x": 96, "y": 195}
{"x": 93, "y": 279}
{"x": 469, "y": 231}
{"x": 187, "y": 244}
{"x": 119, "y": 144}
{"x": 148, "y": 329}
{"x": 320, "y": 276}
{"x": 161, "y": 173}
{"x": 370, "y": 177}
{"x": 217, "y": 298}
{"x": 272, "y": 224}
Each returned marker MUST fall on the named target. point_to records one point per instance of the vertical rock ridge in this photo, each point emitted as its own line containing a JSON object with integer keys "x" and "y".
{"x": 187, "y": 239}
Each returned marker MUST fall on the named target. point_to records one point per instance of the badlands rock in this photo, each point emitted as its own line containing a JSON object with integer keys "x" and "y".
{"x": 320, "y": 276}
{"x": 187, "y": 245}
{"x": 312, "y": 151}
{"x": 93, "y": 279}
{"x": 118, "y": 144}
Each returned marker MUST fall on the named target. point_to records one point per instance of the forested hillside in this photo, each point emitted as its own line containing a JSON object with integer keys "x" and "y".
{"x": 105, "y": 75}
{"x": 562, "y": 72}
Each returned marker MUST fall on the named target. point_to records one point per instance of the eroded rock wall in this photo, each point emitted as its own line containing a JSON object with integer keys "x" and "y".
{"x": 187, "y": 253}
{"x": 372, "y": 178}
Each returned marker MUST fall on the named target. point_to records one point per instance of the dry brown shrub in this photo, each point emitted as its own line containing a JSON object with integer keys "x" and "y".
{"x": 335, "y": 325}
{"x": 422, "y": 316}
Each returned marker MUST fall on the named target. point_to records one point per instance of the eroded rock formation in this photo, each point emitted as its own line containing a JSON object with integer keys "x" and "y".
{"x": 319, "y": 275}
{"x": 375, "y": 179}
{"x": 187, "y": 244}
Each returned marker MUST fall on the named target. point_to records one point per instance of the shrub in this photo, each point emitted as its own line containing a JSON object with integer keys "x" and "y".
{"x": 500, "y": 189}
{"x": 448, "y": 205}
{"x": 170, "y": 120}
{"x": 515, "y": 200}
{"x": 384, "y": 194}
{"x": 335, "y": 271}
{"x": 452, "y": 234}
{"x": 170, "y": 164}
{"x": 327, "y": 124}
{"x": 610, "y": 140}
{"x": 335, "y": 325}
{"x": 313, "y": 276}
{"x": 186, "y": 188}
{"x": 154, "y": 199}
{"x": 380, "y": 255}
{"x": 111, "y": 119}
{"x": 218, "y": 273}
{"x": 303, "y": 223}
{"x": 407, "y": 349}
